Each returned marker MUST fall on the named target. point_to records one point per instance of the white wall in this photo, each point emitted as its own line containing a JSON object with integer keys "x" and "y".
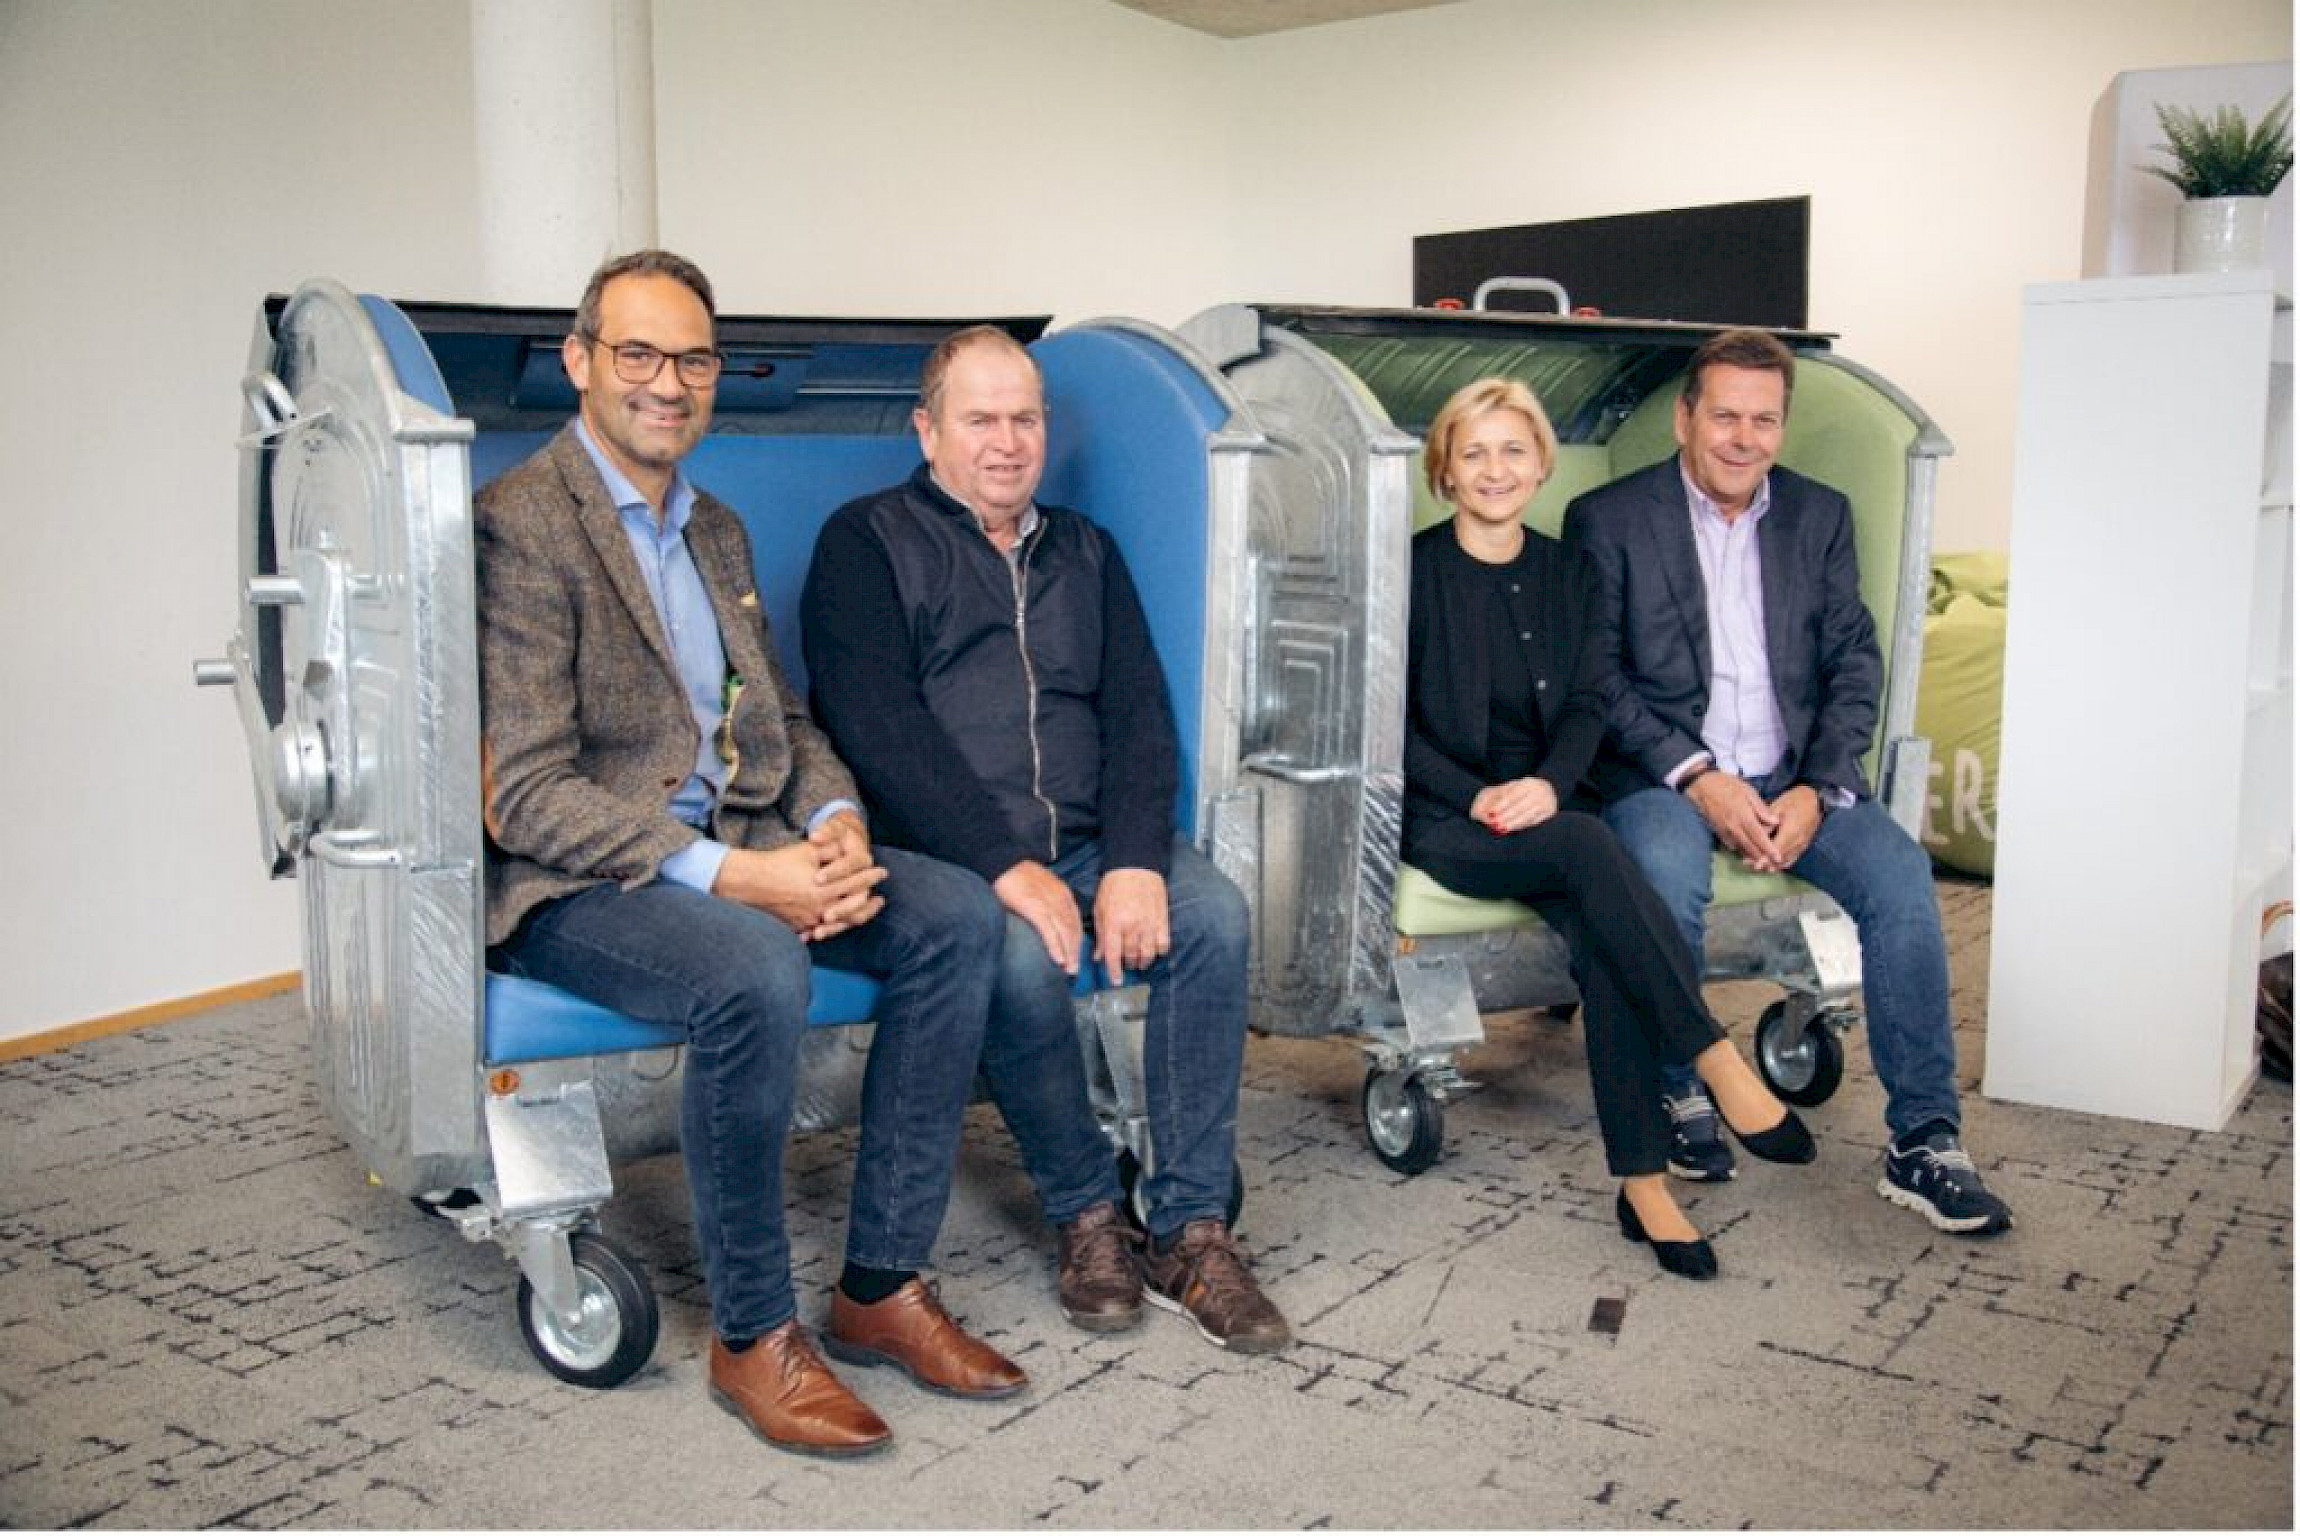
{"x": 1943, "y": 143}
{"x": 164, "y": 165}
{"x": 995, "y": 157}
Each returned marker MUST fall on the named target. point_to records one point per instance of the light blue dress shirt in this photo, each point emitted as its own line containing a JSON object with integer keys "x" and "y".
{"x": 683, "y": 605}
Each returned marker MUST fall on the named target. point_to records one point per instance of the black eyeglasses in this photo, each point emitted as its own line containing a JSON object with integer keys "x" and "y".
{"x": 638, "y": 363}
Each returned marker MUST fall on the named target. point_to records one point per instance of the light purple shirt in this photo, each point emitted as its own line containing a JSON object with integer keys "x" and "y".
{"x": 1741, "y": 726}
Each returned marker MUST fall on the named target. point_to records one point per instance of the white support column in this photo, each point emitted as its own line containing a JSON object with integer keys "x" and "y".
{"x": 565, "y": 125}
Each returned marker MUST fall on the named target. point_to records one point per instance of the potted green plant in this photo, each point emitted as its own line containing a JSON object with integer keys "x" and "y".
{"x": 2225, "y": 168}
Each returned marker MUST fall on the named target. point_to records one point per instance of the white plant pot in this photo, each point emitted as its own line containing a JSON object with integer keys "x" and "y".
{"x": 2220, "y": 234}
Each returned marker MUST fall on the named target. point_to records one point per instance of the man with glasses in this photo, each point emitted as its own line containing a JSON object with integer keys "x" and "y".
{"x": 671, "y": 836}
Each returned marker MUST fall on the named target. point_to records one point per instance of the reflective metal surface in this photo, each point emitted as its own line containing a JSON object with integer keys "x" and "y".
{"x": 550, "y": 1155}
{"x": 585, "y": 1336}
{"x": 1309, "y": 830}
{"x": 1440, "y": 1007}
{"x": 355, "y": 662}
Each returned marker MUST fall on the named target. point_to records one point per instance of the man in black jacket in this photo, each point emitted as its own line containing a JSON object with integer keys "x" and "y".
{"x": 1741, "y": 676}
{"x": 983, "y": 665}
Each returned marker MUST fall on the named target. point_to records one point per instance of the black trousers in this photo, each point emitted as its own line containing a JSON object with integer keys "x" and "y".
{"x": 1641, "y": 1001}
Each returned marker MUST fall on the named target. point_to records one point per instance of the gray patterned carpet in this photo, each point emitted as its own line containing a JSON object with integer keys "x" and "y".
{"x": 207, "y": 1318}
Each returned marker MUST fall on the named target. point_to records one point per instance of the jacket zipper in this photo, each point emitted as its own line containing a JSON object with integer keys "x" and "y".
{"x": 1020, "y": 572}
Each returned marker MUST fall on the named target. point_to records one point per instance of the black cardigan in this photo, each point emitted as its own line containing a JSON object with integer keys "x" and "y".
{"x": 1449, "y": 686}
{"x": 911, "y": 638}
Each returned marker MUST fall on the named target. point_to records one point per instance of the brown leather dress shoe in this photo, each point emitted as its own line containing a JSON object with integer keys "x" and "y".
{"x": 1100, "y": 1274}
{"x": 782, "y": 1389}
{"x": 910, "y": 1330}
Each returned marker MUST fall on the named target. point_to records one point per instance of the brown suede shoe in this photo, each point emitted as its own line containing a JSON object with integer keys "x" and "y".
{"x": 910, "y": 1329}
{"x": 1205, "y": 1278}
{"x": 782, "y": 1389}
{"x": 1101, "y": 1270}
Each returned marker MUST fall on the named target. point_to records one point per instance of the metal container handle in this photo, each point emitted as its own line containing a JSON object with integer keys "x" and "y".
{"x": 272, "y": 405}
{"x": 1279, "y": 766}
{"x": 1492, "y": 285}
{"x": 354, "y": 848}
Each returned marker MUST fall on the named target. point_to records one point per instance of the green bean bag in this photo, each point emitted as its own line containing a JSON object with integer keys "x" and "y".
{"x": 1960, "y": 706}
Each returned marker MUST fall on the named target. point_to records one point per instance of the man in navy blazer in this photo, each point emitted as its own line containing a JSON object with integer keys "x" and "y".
{"x": 1741, "y": 679}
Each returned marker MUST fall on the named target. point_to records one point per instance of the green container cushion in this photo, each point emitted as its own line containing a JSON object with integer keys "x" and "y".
{"x": 1579, "y": 379}
{"x": 1426, "y": 910}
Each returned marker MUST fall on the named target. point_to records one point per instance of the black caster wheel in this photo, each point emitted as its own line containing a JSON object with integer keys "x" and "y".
{"x": 615, "y": 1334}
{"x": 1405, "y": 1123}
{"x": 1135, "y": 1207}
{"x": 1802, "y": 1066}
{"x": 437, "y": 1208}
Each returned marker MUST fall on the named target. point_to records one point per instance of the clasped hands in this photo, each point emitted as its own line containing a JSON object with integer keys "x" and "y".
{"x": 820, "y": 887}
{"x": 1770, "y": 836}
{"x": 1131, "y": 928}
{"x": 1515, "y": 805}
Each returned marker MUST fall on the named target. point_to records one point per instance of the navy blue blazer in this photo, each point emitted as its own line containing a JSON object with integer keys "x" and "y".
{"x": 1649, "y": 628}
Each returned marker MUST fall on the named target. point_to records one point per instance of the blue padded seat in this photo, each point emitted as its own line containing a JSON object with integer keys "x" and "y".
{"x": 530, "y": 1021}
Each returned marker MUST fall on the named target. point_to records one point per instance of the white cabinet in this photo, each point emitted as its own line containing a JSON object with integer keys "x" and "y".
{"x": 2144, "y": 798}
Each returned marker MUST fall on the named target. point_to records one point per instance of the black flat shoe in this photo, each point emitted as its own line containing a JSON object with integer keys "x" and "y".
{"x": 1788, "y": 1142}
{"x": 1695, "y": 1260}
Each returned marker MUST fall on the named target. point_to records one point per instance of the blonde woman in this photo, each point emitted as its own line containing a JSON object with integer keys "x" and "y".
{"x": 1501, "y": 725}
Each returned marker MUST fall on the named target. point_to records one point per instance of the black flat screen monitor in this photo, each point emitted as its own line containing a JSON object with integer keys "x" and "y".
{"x": 1726, "y": 264}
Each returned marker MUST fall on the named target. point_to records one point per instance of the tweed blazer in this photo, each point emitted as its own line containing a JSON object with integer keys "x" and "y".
{"x": 1649, "y": 625}
{"x": 585, "y": 726}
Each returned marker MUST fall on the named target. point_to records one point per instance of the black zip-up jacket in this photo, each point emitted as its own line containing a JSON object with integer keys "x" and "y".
{"x": 991, "y": 712}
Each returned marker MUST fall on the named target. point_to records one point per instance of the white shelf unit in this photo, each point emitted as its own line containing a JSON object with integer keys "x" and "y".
{"x": 2144, "y": 797}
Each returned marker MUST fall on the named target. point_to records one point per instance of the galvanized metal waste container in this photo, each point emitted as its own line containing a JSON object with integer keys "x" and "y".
{"x": 368, "y": 425}
{"x": 1307, "y": 820}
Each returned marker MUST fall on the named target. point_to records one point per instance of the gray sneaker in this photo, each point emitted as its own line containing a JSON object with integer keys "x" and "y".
{"x": 1204, "y": 1277}
{"x": 1936, "y": 1179}
{"x": 1697, "y": 1150}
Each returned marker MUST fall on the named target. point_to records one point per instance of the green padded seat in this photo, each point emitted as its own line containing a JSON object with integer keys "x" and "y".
{"x": 1425, "y": 909}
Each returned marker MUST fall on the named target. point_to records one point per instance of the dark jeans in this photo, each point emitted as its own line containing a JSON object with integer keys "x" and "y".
{"x": 1641, "y": 1002}
{"x": 737, "y": 982}
{"x": 1883, "y": 880}
{"x": 1194, "y": 1049}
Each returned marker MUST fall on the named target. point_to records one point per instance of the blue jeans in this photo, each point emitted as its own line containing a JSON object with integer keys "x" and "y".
{"x": 1883, "y": 880}
{"x": 737, "y": 981}
{"x": 1194, "y": 1048}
